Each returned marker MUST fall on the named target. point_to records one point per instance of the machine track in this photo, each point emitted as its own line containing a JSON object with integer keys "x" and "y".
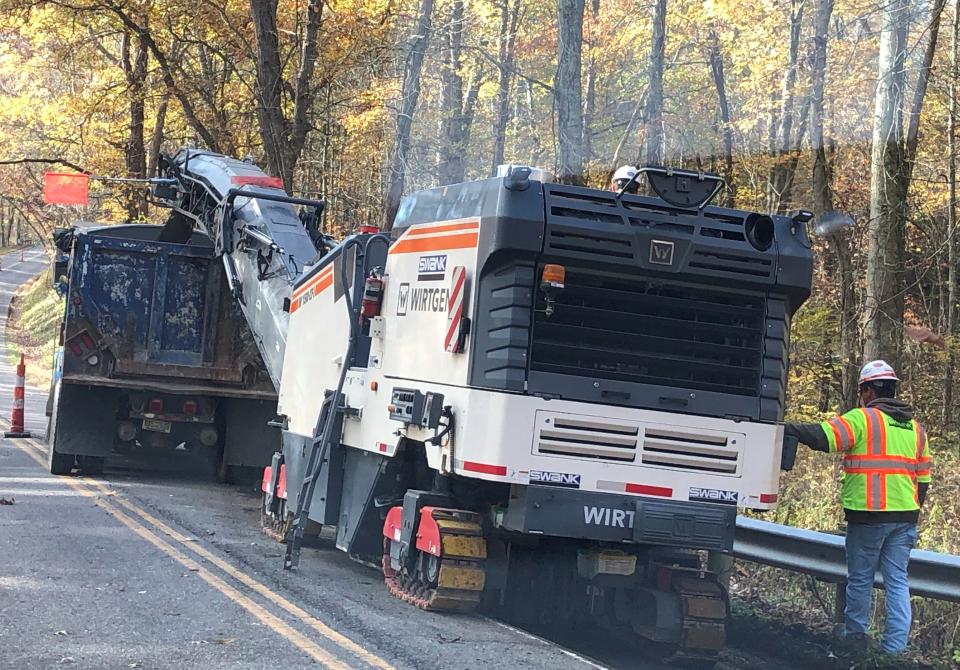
{"x": 704, "y": 611}
{"x": 452, "y": 581}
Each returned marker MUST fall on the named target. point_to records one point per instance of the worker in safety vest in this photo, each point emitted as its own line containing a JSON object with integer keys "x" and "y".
{"x": 886, "y": 473}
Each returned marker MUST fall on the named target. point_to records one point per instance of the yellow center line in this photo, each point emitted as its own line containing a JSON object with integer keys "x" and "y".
{"x": 191, "y": 544}
{"x": 271, "y": 621}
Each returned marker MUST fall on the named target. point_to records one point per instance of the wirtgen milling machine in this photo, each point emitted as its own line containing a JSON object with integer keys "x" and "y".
{"x": 550, "y": 397}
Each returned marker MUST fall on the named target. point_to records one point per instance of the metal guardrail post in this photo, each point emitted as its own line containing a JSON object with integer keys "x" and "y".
{"x": 840, "y": 603}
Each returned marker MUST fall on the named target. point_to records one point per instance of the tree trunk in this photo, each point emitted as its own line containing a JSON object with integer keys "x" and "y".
{"x": 822, "y": 182}
{"x": 919, "y": 93}
{"x": 470, "y": 107}
{"x": 450, "y": 153}
{"x": 653, "y": 115}
{"x": 410, "y": 96}
{"x": 568, "y": 91}
{"x": 269, "y": 83}
{"x": 590, "y": 100}
{"x": 509, "y": 21}
{"x": 719, "y": 81}
{"x": 952, "y": 259}
{"x": 156, "y": 138}
{"x": 822, "y": 179}
{"x": 283, "y": 138}
{"x": 134, "y": 154}
{"x": 782, "y": 142}
{"x": 884, "y": 301}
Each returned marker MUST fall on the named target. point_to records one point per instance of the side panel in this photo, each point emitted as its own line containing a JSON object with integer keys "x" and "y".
{"x": 589, "y": 447}
{"x": 418, "y": 286}
{"x": 316, "y": 346}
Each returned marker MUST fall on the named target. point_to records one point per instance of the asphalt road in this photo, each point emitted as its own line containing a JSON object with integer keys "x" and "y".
{"x": 158, "y": 569}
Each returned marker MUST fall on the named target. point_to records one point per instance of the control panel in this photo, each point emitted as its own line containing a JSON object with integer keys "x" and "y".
{"x": 410, "y": 406}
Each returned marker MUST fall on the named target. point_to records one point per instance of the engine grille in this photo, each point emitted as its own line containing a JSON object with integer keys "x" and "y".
{"x": 634, "y": 329}
{"x": 686, "y": 450}
{"x": 586, "y": 437}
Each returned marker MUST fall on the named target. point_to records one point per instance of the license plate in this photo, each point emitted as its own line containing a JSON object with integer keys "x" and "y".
{"x": 157, "y": 425}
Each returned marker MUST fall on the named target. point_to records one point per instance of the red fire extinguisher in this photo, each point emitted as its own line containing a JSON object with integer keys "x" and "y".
{"x": 372, "y": 296}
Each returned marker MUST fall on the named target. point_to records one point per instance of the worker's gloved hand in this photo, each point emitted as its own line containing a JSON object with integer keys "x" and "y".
{"x": 810, "y": 434}
{"x": 788, "y": 452}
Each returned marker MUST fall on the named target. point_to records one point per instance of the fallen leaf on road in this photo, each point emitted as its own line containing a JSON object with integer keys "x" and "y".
{"x": 7, "y": 501}
{"x": 61, "y": 632}
{"x": 449, "y": 639}
{"x": 133, "y": 665}
{"x": 67, "y": 659}
{"x": 194, "y": 569}
{"x": 225, "y": 640}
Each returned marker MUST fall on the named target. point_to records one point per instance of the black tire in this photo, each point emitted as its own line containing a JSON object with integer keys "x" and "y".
{"x": 91, "y": 465}
{"x": 49, "y": 408}
{"x": 60, "y": 464}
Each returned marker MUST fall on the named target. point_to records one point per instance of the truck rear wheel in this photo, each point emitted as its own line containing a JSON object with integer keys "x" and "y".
{"x": 57, "y": 463}
{"x": 60, "y": 464}
{"x": 91, "y": 465}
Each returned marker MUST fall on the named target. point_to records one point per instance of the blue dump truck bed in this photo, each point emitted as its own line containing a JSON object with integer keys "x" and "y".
{"x": 158, "y": 315}
{"x": 155, "y": 354}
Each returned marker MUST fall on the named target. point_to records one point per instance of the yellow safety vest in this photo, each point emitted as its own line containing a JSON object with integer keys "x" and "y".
{"x": 883, "y": 460}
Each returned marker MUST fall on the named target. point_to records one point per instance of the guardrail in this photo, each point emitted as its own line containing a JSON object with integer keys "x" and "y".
{"x": 823, "y": 556}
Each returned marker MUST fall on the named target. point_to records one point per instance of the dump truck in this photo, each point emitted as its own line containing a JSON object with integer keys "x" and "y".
{"x": 155, "y": 355}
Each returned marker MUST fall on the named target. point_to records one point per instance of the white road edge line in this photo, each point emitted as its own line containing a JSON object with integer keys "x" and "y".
{"x": 549, "y": 643}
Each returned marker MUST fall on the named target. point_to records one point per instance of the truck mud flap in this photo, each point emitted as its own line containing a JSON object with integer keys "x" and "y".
{"x": 86, "y": 418}
{"x": 683, "y": 524}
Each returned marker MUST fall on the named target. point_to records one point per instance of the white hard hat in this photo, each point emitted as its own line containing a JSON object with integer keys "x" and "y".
{"x": 876, "y": 371}
{"x": 624, "y": 172}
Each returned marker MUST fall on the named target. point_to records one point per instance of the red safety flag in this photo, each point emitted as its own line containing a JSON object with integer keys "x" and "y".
{"x": 256, "y": 180}
{"x": 66, "y": 188}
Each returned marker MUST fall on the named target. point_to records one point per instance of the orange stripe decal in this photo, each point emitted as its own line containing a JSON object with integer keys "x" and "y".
{"x": 442, "y": 243}
{"x": 324, "y": 274}
{"x": 324, "y": 283}
{"x": 472, "y": 225}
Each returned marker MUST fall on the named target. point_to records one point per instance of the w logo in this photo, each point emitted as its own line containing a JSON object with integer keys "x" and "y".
{"x": 661, "y": 252}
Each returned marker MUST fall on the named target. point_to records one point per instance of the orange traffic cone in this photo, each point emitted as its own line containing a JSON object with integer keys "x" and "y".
{"x": 16, "y": 416}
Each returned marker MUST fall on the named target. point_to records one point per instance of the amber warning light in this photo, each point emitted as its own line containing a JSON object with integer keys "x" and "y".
{"x": 553, "y": 276}
{"x": 551, "y": 282}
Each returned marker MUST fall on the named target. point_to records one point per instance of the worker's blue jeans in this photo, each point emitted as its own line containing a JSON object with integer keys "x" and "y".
{"x": 888, "y": 546}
